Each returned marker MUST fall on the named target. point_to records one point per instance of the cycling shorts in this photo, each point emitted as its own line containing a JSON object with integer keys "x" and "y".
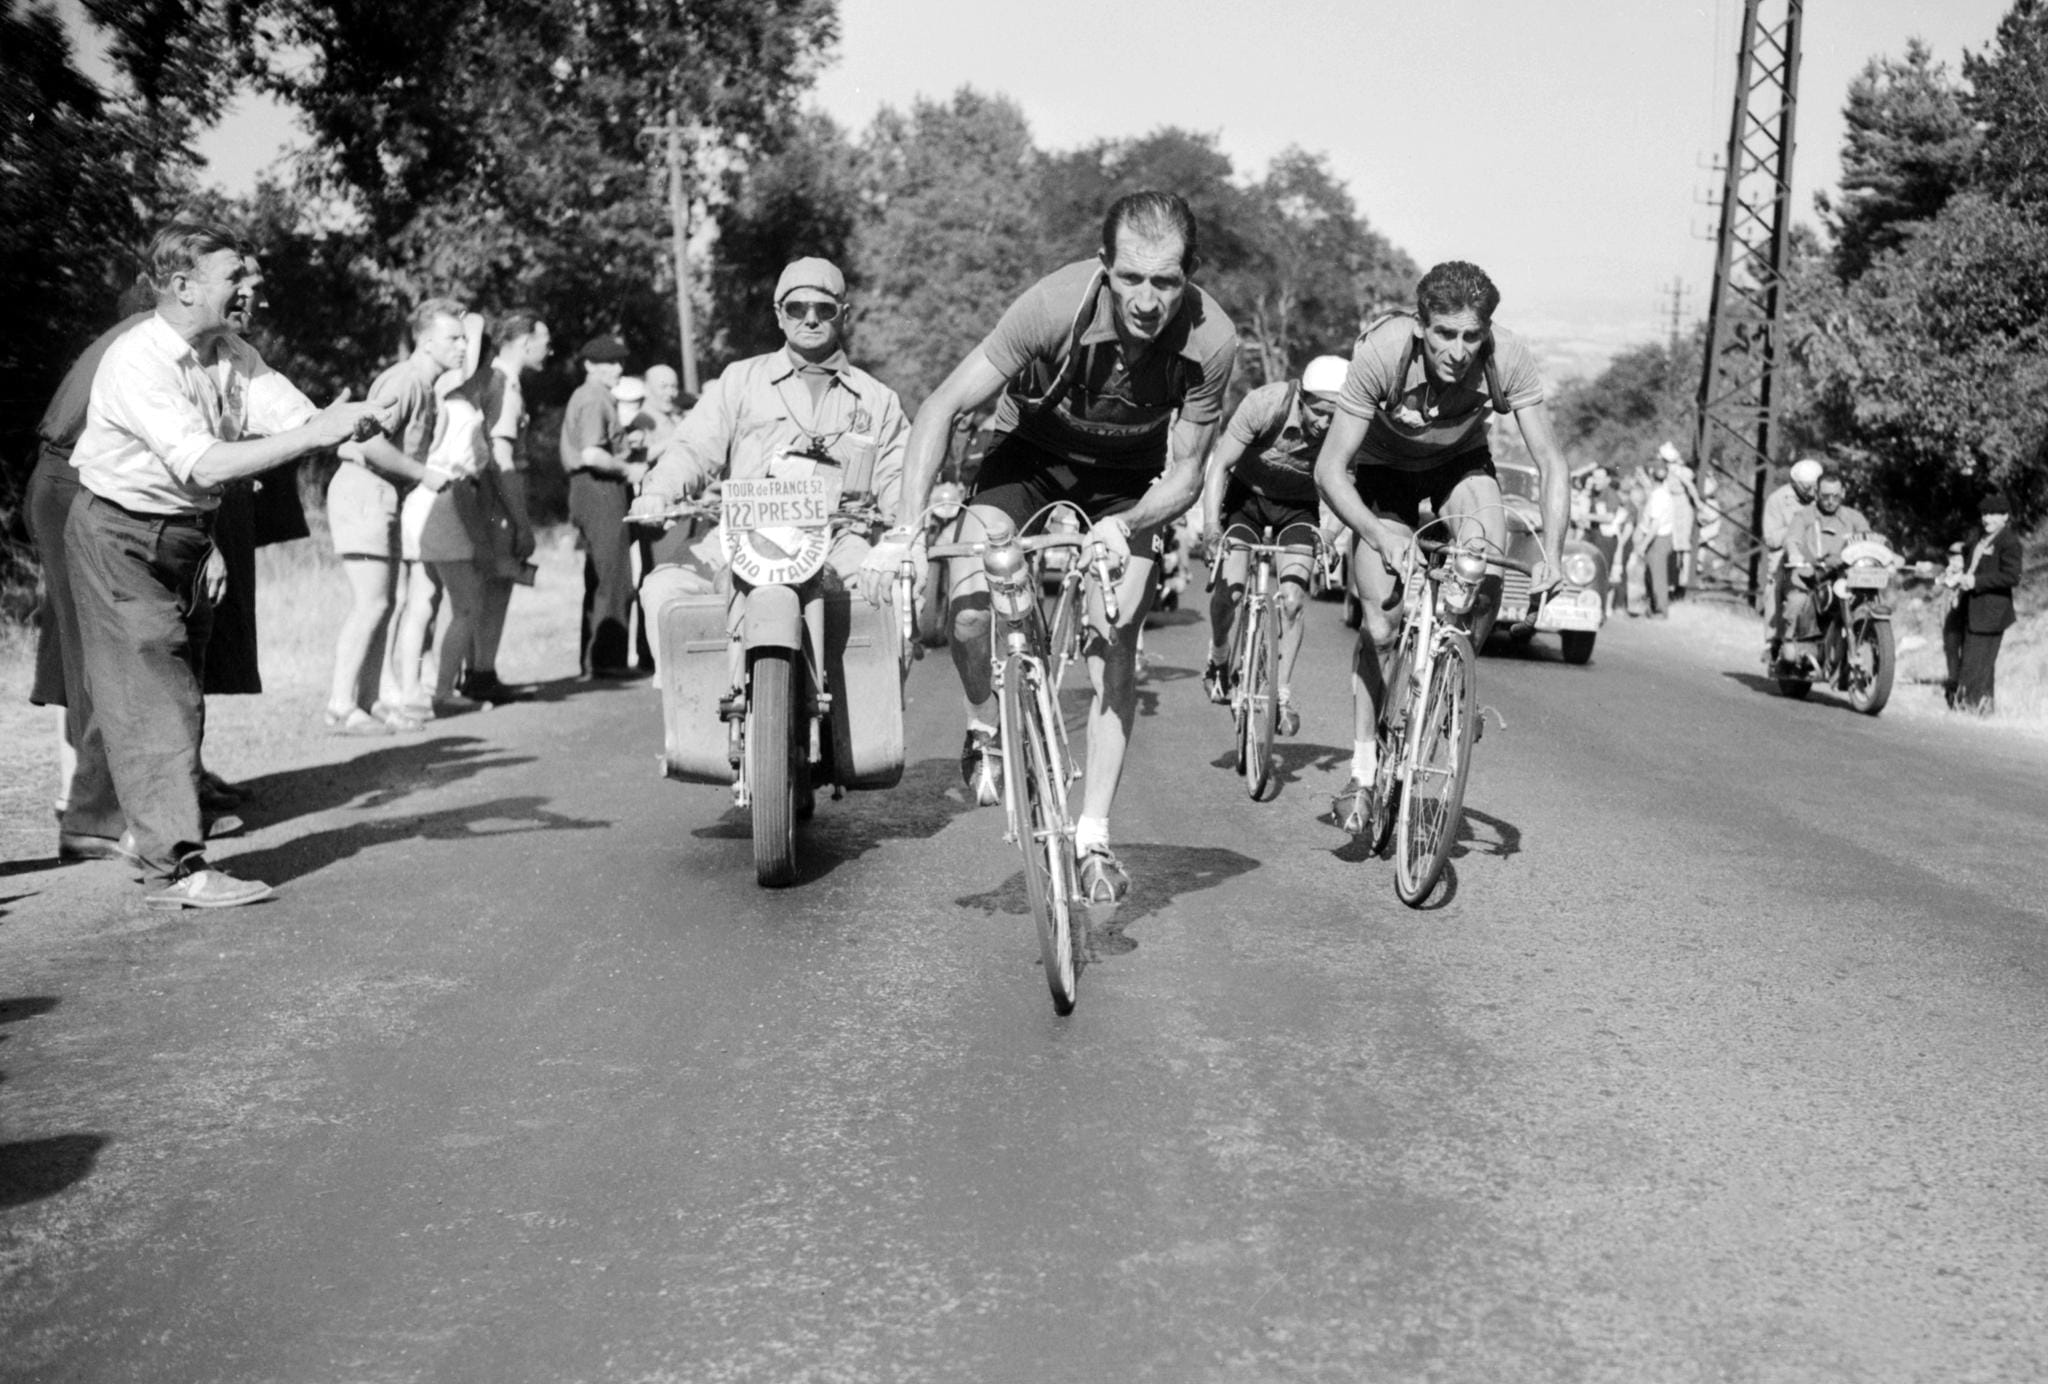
{"x": 1396, "y": 494}
{"x": 1295, "y": 523}
{"x": 1019, "y": 480}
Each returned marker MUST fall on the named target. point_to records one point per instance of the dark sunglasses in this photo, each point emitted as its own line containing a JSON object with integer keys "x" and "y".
{"x": 811, "y": 311}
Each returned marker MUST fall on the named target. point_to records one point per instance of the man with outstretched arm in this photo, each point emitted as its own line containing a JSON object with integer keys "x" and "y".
{"x": 1112, "y": 372}
{"x": 1414, "y": 413}
{"x": 1262, "y": 476}
{"x": 180, "y": 407}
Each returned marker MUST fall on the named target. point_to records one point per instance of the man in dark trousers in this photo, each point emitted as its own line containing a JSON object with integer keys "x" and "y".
{"x": 602, "y": 474}
{"x": 1990, "y": 573}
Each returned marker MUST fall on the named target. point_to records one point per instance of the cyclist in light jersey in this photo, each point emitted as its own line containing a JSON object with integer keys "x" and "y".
{"x": 1413, "y": 413}
{"x": 1262, "y": 476}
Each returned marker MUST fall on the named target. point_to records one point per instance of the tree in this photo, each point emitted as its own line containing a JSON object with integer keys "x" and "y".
{"x": 1928, "y": 376}
{"x": 2009, "y": 98}
{"x": 803, "y": 199}
{"x": 1315, "y": 271}
{"x": 950, "y": 232}
{"x": 494, "y": 147}
{"x": 68, "y": 227}
{"x": 1907, "y": 150}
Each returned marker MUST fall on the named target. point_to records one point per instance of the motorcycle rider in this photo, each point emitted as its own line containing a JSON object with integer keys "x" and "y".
{"x": 1781, "y": 507}
{"x": 1813, "y": 552}
{"x": 1261, "y": 476}
{"x": 780, "y": 415}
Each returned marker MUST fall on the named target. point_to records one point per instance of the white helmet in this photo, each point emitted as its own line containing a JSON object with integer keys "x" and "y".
{"x": 1806, "y": 473}
{"x": 1325, "y": 376}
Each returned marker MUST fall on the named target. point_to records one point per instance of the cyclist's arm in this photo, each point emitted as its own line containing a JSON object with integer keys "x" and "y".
{"x": 974, "y": 382}
{"x": 1340, "y": 491}
{"x": 1555, "y": 478}
{"x": 1216, "y": 479}
{"x": 1180, "y": 485}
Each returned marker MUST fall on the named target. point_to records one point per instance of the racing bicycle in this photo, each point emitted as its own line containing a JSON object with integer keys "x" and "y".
{"x": 1031, "y": 648}
{"x": 1255, "y": 660}
{"x": 1429, "y": 717}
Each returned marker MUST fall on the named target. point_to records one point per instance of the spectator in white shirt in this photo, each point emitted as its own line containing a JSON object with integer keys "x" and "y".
{"x": 1660, "y": 522}
{"x": 179, "y": 408}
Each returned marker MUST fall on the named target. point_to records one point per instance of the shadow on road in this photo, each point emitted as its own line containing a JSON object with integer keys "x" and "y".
{"x": 499, "y": 817}
{"x": 917, "y": 808}
{"x": 1159, "y": 875}
{"x": 31, "y": 1169}
{"x": 374, "y": 779}
{"x": 1503, "y": 839}
{"x": 1757, "y": 682}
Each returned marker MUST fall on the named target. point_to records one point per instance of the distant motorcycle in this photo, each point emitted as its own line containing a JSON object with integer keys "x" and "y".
{"x": 1850, "y": 647}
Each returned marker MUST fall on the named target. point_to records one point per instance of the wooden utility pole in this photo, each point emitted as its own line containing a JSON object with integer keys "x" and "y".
{"x": 671, "y": 135}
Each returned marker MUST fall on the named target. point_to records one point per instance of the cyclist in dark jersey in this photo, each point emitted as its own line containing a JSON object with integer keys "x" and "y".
{"x": 1414, "y": 413}
{"x": 1262, "y": 476}
{"x": 1111, "y": 374}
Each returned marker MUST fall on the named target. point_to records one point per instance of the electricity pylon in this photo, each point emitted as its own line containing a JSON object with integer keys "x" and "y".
{"x": 1733, "y": 437}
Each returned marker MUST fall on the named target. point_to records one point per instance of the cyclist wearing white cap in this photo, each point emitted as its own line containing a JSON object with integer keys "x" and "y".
{"x": 1262, "y": 476}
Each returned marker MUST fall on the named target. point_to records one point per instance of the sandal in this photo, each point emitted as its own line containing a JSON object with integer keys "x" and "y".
{"x": 1102, "y": 877}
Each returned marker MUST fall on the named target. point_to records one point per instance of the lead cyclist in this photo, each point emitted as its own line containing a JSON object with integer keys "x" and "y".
{"x": 1111, "y": 374}
{"x": 1414, "y": 412}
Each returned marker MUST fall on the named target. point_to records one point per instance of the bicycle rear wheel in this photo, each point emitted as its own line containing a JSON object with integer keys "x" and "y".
{"x": 1038, "y": 813}
{"x": 1262, "y": 699}
{"x": 1433, "y": 788}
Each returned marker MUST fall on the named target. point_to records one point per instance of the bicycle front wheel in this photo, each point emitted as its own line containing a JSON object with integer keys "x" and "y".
{"x": 1262, "y": 699}
{"x": 1432, "y": 805}
{"x": 1038, "y": 813}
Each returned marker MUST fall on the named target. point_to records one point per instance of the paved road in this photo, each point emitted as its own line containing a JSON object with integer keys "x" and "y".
{"x": 1722, "y": 1060}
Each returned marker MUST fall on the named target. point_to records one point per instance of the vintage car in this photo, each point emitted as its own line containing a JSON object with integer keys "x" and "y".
{"x": 1578, "y": 608}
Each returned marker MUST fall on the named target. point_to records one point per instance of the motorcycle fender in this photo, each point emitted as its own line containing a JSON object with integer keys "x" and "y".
{"x": 774, "y": 618}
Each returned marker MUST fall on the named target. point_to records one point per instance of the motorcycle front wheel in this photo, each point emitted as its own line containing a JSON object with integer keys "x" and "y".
{"x": 772, "y": 767}
{"x": 1869, "y": 665}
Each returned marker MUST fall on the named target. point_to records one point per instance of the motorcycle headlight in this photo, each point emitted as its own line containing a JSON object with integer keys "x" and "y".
{"x": 1580, "y": 569}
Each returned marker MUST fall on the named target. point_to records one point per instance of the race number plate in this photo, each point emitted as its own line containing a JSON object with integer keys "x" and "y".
{"x": 1570, "y": 610}
{"x": 1868, "y": 578}
{"x": 777, "y": 532}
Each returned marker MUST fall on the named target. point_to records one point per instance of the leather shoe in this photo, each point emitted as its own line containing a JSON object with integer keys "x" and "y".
{"x": 209, "y": 888}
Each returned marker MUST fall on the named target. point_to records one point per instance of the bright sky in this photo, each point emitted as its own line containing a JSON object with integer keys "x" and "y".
{"x": 1564, "y": 145}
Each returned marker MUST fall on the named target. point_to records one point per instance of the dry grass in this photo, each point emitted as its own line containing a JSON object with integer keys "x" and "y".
{"x": 301, "y": 598}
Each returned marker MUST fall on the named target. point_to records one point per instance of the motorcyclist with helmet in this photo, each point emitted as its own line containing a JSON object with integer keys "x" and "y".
{"x": 1788, "y": 502}
{"x": 1814, "y": 540}
{"x": 1261, "y": 477}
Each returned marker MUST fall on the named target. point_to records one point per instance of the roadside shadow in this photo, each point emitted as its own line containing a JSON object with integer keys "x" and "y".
{"x": 555, "y": 690}
{"x": 1500, "y": 839}
{"x": 31, "y": 1169}
{"x": 1166, "y": 619}
{"x": 30, "y": 866}
{"x": 25, "y": 1007}
{"x": 919, "y": 807}
{"x": 1159, "y": 875}
{"x": 310, "y": 854}
{"x": 374, "y": 779}
{"x": 1757, "y": 682}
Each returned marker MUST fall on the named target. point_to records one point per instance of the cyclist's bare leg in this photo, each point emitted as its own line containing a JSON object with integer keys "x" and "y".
{"x": 1223, "y": 603}
{"x": 1372, "y": 584}
{"x": 1291, "y": 595}
{"x": 1474, "y": 509}
{"x": 968, "y": 609}
{"x": 1112, "y": 671}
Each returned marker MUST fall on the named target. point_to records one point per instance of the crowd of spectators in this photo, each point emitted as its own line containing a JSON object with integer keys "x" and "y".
{"x": 169, "y": 454}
